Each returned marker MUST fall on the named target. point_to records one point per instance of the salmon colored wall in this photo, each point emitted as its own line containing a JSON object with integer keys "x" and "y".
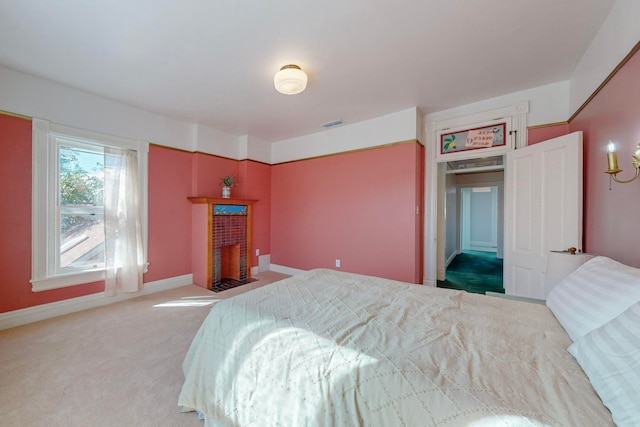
{"x": 170, "y": 183}
{"x": 15, "y": 222}
{"x": 540, "y": 134}
{"x": 256, "y": 177}
{"x": 358, "y": 207}
{"x": 611, "y": 216}
{"x": 254, "y": 182}
{"x": 207, "y": 172}
{"x": 326, "y": 208}
{"x": 419, "y": 219}
{"x": 174, "y": 175}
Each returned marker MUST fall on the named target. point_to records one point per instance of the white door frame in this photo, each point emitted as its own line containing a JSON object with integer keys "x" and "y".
{"x": 434, "y": 183}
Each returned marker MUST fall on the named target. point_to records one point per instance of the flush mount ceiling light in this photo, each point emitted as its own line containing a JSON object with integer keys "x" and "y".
{"x": 290, "y": 80}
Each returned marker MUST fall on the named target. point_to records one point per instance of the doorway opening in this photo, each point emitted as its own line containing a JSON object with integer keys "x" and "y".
{"x": 479, "y": 218}
{"x": 471, "y": 242}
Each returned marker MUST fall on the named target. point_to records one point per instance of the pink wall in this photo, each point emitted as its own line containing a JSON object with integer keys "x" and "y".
{"x": 170, "y": 183}
{"x": 358, "y": 207}
{"x": 313, "y": 211}
{"x": 174, "y": 175}
{"x": 419, "y": 219}
{"x": 254, "y": 182}
{"x": 611, "y": 216}
{"x": 257, "y": 179}
{"x": 540, "y": 134}
{"x": 207, "y": 172}
{"x": 15, "y": 222}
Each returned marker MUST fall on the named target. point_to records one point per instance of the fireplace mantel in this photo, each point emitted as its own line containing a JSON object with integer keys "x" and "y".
{"x": 221, "y": 201}
{"x": 205, "y": 250}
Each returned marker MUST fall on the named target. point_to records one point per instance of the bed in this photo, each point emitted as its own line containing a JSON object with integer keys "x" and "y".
{"x": 327, "y": 348}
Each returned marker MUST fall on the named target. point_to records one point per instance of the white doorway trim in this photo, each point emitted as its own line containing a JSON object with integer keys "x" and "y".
{"x": 434, "y": 181}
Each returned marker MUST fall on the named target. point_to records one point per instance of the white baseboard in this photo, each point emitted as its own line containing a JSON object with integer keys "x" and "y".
{"x": 286, "y": 270}
{"x": 46, "y": 311}
{"x": 483, "y": 248}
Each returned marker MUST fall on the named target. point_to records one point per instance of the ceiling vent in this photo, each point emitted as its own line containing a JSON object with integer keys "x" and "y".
{"x": 333, "y": 123}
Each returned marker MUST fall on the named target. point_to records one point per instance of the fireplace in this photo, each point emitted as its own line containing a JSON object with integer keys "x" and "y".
{"x": 229, "y": 254}
{"x": 221, "y": 239}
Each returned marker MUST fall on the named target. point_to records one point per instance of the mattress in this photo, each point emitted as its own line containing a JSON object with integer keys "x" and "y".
{"x": 327, "y": 348}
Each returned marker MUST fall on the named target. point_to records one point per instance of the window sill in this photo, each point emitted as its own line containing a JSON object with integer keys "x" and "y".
{"x": 66, "y": 280}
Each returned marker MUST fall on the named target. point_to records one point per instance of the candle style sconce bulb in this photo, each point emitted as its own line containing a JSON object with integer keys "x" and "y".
{"x": 612, "y": 160}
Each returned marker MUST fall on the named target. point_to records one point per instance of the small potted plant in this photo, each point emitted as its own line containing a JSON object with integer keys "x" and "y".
{"x": 227, "y": 182}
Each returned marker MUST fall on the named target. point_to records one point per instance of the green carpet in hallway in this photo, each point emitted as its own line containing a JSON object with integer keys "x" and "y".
{"x": 475, "y": 272}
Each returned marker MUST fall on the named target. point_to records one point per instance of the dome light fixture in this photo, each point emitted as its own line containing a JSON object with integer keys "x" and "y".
{"x": 290, "y": 80}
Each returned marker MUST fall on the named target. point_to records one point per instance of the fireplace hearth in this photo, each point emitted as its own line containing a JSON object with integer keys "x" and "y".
{"x": 226, "y": 284}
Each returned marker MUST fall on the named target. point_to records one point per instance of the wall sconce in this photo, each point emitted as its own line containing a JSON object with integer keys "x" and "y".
{"x": 612, "y": 158}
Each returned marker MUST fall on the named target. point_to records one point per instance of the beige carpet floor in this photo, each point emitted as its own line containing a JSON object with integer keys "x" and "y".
{"x": 117, "y": 365}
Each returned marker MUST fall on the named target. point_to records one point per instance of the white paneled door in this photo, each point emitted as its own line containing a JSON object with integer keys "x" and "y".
{"x": 543, "y": 210}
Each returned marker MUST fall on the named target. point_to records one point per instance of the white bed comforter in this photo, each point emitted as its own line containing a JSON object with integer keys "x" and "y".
{"x": 327, "y": 348}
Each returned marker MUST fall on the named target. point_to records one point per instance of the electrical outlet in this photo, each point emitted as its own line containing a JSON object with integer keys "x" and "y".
{"x": 257, "y": 252}
{"x": 338, "y": 263}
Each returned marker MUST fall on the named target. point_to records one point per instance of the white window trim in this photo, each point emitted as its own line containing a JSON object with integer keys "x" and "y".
{"x": 43, "y": 202}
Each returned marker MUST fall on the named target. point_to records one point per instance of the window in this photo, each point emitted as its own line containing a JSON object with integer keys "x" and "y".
{"x": 476, "y": 141}
{"x": 68, "y": 215}
{"x": 80, "y": 206}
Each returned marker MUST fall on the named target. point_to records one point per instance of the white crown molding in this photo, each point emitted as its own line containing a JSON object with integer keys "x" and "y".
{"x": 46, "y": 311}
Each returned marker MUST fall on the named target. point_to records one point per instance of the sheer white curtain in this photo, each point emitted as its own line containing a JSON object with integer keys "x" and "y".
{"x": 124, "y": 254}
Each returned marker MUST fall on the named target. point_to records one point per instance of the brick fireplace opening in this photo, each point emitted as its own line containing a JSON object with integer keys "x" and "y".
{"x": 229, "y": 248}
{"x": 230, "y": 262}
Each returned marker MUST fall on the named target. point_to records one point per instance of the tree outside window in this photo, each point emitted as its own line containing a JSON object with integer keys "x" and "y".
{"x": 81, "y": 182}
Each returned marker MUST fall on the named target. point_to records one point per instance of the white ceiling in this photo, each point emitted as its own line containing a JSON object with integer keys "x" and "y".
{"x": 212, "y": 61}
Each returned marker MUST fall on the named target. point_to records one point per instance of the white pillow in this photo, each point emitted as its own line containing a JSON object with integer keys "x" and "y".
{"x": 596, "y": 292}
{"x": 610, "y": 356}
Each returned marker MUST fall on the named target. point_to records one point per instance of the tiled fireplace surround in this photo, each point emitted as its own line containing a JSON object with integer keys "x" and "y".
{"x": 221, "y": 238}
{"x": 229, "y": 247}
